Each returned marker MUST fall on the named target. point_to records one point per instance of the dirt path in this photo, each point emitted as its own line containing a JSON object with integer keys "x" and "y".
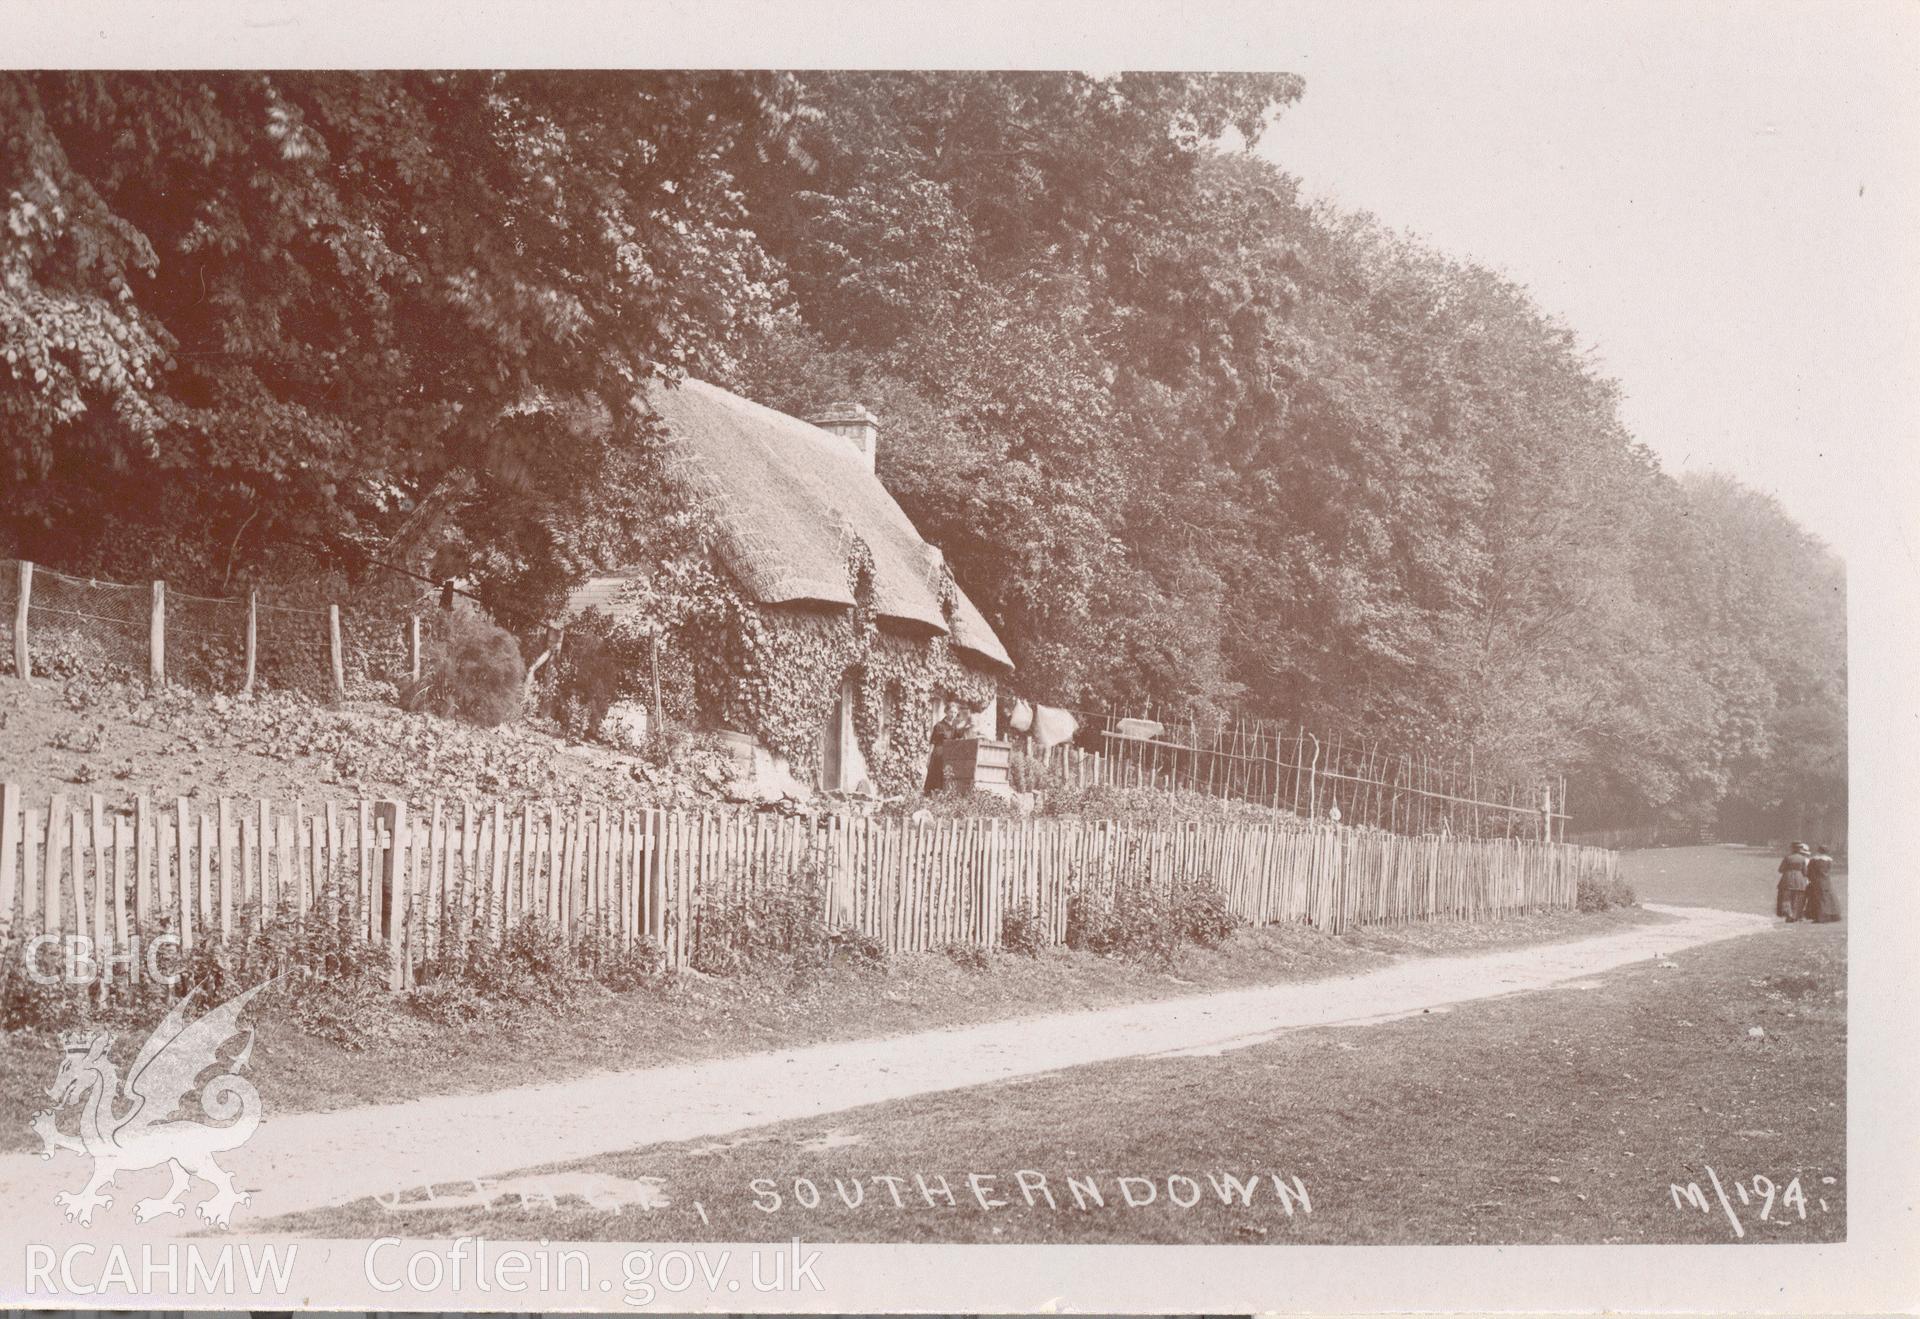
{"x": 305, "y": 1161}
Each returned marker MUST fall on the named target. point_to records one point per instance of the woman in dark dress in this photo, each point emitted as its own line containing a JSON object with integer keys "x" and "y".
{"x": 1790, "y": 895}
{"x": 952, "y": 724}
{"x": 1823, "y": 904}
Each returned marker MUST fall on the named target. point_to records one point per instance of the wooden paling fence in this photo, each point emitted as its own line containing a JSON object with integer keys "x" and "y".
{"x": 415, "y": 879}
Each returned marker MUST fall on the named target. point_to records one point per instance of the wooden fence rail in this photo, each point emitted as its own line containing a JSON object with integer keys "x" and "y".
{"x": 413, "y": 880}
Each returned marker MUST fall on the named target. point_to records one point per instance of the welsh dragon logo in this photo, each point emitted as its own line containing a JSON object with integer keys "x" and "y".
{"x": 144, "y": 1134}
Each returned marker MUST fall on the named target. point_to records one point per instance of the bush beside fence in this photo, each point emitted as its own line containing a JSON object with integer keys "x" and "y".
{"x": 415, "y": 880}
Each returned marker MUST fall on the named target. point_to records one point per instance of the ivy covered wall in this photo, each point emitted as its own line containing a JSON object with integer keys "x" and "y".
{"x": 893, "y": 714}
{"x": 775, "y": 671}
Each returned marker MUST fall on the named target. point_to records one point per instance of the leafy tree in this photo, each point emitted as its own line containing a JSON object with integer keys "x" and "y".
{"x": 346, "y": 312}
{"x": 1188, "y": 440}
{"x": 1192, "y": 442}
{"x": 955, "y": 255}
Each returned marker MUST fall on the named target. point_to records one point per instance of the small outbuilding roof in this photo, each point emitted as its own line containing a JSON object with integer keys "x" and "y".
{"x": 786, "y": 494}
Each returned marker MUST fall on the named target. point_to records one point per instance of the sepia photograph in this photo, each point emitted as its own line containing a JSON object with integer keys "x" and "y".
{"x": 634, "y": 677}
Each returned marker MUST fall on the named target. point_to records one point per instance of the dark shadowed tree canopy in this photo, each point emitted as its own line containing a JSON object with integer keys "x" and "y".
{"x": 1187, "y": 439}
{"x": 296, "y": 309}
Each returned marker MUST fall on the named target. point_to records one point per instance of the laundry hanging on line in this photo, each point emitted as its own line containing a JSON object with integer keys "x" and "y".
{"x": 1052, "y": 726}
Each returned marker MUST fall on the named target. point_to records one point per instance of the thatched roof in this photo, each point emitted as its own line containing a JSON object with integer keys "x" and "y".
{"x": 786, "y": 495}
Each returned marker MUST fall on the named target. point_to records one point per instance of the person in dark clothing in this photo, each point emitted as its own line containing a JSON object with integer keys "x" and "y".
{"x": 1822, "y": 903}
{"x": 1790, "y": 895}
{"x": 952, "y": 724}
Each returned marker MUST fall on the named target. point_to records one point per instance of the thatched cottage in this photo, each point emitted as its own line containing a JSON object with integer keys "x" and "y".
{"x": 840, "y": 635}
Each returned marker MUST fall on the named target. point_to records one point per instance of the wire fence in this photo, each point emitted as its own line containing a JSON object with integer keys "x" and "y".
{"x": 1288, "y": 766}
{"x": 206, "y": 641}
{"x": 376, "y": 655}
{"x": 78, "y": 626}
{"x": 81, "y": 626}
{"x": 293, "y": 649}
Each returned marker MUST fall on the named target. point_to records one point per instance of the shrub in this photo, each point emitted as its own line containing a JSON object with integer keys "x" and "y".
{"x": 336, "y": 977}
{"x": 856, "y": 948}
{"x": 623, "y": 967}
{"x": 532, "y": 965}
{"x": 775, "y": 921}
{"x": 352, "y": 1016}
{"x": 1155, "y": 806}
{"x": 26, "y": 1004}
{"x": 743, "y": 926}
{"x": 448, "y": 1002}
{"x": 473, "y": 671}
{"x": 1135, "y": 922}
{"x": 1597, "y": 894}
{"x": 967, "y": 956}
{"x": 329, "y": 978}
{"x": 333, "y": 980}
{"x": 1021, "y": 930}
{"x": 1144, "y": 922}
{"x": 597, "y": 666}
{"x": 1201, "y": 914}
{"x": 1031, "y": 774}
{"x": 1090, "y": 919}
{"x": 956, "y": 804}
{"x": 325, "y": 949}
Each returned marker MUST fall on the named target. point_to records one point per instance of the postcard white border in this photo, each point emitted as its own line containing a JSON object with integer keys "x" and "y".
{"x": 1874, "y": 1271}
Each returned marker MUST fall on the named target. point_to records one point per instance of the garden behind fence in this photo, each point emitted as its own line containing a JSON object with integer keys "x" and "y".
{"x": 427, "y": 881}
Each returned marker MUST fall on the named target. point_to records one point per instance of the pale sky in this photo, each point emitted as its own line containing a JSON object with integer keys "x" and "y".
{"x": 1720, "y": 201}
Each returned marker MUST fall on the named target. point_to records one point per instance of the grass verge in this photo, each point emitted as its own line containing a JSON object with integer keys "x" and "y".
{"x": 401, "y": 1056}
{"x": 1581, "y": 1114}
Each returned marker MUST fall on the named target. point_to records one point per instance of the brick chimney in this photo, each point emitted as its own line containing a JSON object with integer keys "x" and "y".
{"x": 853, "y": 423}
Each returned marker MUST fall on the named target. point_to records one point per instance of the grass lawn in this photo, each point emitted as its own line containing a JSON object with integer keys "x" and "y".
{"x": 1730, "y": 876}
{"x": 1555, "y": 1117}
{"x": 301, "y": 1068}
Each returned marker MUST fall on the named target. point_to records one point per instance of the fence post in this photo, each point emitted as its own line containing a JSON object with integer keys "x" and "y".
{"x": 157, "y": 637}
{"x": 659, "y": 716}
{"x": 413, "y": 646}
{"x": 9, "y": 844}
{"x": 22, "y": 661}
{"x": 393, "y": 874}
{"x": 334, "y": 653}
{"x": 253, "y": 638}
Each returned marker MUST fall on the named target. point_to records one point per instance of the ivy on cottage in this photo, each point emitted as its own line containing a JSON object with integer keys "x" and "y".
{"x": 901, "y": 677}
{"x": 776, "y": 671}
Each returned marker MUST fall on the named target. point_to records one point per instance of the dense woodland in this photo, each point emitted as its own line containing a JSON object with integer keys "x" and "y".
{"x": 1185, "y": 437}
